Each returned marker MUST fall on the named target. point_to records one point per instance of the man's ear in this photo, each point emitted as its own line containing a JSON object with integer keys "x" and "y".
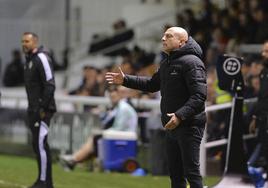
{"x": 182, "y": 43}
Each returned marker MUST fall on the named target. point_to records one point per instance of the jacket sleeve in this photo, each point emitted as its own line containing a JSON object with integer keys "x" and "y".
{"x": 195, "y": 78}
{"x": 47, "y": 80}
{"x": 149, "y": 84}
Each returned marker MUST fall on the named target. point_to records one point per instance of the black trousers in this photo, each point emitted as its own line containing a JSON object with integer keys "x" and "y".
{"x": 39, "y": 129}
{"x": 183, "y": 153}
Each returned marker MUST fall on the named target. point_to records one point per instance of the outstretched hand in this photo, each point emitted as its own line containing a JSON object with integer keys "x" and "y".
{"x": 115, "y": 78}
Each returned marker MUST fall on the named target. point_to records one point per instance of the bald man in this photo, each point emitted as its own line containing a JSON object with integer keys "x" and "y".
{"x": 181, "y": 79}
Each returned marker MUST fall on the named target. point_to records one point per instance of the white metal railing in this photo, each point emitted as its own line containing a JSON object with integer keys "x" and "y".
{"x": 250, "y": 48}
{"x": 18, "y": 96}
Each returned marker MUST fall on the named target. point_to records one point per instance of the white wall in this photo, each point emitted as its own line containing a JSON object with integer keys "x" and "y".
{"x": 46, "y": 18}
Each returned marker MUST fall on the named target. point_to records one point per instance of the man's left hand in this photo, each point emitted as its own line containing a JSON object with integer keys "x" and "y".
{"x": 173, "y": 122}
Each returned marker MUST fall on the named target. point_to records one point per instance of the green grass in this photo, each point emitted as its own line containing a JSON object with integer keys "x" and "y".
{"x": 18, "y": 172}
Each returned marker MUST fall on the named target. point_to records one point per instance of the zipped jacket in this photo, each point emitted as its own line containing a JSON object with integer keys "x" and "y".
{"x": 39, "y": 82}
{"x": 181, "y": 80}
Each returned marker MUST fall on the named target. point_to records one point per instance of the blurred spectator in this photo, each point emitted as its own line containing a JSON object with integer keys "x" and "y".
{"x": 206, "y": 13}
{"x": 253, "y": 4}
{"x": 262, "y": 24}
{"x": 254, "y": 86}
{"x": 246, "y": 28}
{"x": 251, "y": 81}
{"x": 127, "y": 61}
{"x": 119, "y": 25}
{"x": 219, "y": 39}
{"x": 141, "y": 59}
{"x": 114, "y": 44}
{"x": 202, "y": 38}
{"x": 122, "y": 117}
{"x": 255, "y": 68}
{"x": 89, "y": 85}
{"x": 252, "y": 91}
{"x": 211, "y": 87}
{"x": 101, "y": 84}
{"x": 212, "y": 55}
{"x": 216, "y": 46}
{"x": 191, "y": 24}
{"x": 179, "y": 21}
{"x": 13, "y": 75}
{"x": 233, "y": 44}
{"x": 127, "y": 94}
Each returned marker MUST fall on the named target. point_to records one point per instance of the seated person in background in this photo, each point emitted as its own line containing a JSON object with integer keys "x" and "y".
{"x": 89, "y": 83}
{"x": 14, "y": 72}
{"x": 123, "y": 117}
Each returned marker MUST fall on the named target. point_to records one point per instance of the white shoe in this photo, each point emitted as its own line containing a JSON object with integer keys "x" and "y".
{"x": 67, "y": 162}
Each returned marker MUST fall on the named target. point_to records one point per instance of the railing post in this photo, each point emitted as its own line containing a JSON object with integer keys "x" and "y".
{"x": 203, "y": 155}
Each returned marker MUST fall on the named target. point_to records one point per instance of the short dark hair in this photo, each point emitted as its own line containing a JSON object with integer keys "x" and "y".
{"x": 31, "y": 33}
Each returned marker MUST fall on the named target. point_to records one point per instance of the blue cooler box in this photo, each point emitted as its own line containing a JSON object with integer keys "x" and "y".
{"x": 116, "y": 148}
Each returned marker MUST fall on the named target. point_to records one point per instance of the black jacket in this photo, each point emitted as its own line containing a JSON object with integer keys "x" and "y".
{"x": 261, "y": 108}
{"x": 181, "y": 80}
{"x": 39, "y": 82}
